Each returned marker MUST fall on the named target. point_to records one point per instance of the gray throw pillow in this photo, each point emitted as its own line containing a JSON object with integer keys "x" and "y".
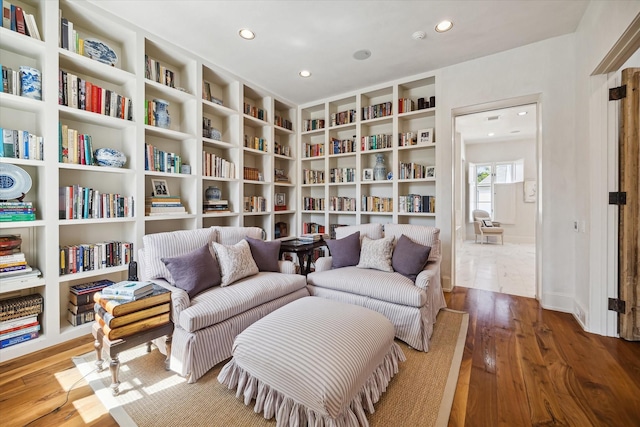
{"x": 195, "y": 271}
{"x": 345, "y": 252}
{"x": 265, "y": 254}
{"x": 409, "y": 257}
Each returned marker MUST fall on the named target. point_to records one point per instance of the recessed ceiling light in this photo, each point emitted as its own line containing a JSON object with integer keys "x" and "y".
{"x": 247, "y": 34}
{"x": 305, "y": 73}
{"x": 362, "y": 54}
{"x": 515, "y": 131}
{"x": 444, "y": 26}
{"x": 522, "y": 113}
{"x": 490, "y": 134}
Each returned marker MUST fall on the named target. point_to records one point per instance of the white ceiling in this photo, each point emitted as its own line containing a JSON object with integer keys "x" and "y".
{"x": 498, "y": 125}
{"x": 322, "y": 36}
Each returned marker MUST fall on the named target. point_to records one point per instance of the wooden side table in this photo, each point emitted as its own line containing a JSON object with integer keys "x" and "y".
{"x": 304, "y": 251}
{"x": 116, "y": 346}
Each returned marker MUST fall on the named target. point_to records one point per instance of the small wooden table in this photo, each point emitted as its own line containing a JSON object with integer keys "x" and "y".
{"x": 304, "y": 251}
{"x": 116, "y": 346}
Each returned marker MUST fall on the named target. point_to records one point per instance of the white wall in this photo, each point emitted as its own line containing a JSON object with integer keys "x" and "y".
{"x": 545, "y": 68}
{"x": 523, "y": 231}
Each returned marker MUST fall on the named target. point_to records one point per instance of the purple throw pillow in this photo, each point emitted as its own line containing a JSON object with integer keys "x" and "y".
{"x": 265, "y": 254}
{"x": 345, "y": 252}
{"x": 195, "y": 271}
{"x": 409, "y": 257}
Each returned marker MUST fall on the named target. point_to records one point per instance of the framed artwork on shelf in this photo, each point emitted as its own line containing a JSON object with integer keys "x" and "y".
{"x": 431, "y": 172}
{"x": 425, "y": 137}
{"x": 160, "y": 187}
{"x": 367, "y": 174}
{"x": 281, "y": 199}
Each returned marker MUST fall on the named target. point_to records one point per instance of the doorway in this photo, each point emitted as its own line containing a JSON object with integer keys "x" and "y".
{"x": 497, "y": 169}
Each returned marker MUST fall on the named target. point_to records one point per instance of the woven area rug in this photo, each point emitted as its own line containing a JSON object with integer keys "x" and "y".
{"x": 420, "y": 394}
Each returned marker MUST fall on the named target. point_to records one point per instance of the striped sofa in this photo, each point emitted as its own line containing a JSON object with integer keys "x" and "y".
{"x": 412, "y": 307}
{"x": 207, "y": 324}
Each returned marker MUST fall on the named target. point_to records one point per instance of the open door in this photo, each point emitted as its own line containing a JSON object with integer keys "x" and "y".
{"x": 629, "y": 213}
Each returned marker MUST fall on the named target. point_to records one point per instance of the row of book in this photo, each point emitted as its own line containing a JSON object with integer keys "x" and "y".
{"x": 255, "y": 204}
{"x": 207, "y": 94}
{"x": 345, "y": 204}
{"x": 312, "y": 227}
{"x": 75, "y": 92}
{"x": 17, "y": 211}
{"x": 13, "y": 263}
{"x": 215, "y": 206}
{"x": 312, "y": 124}
{"x": 94, "y": 256}
{"x": 383, "y": 109}
{"x": 256, "y": 143}
{"x": 21, "y": 144}
{"x": 416, "y": 203}
{"x": 313, "y": 203}
{"x": 157, "y": 72}
{"x": 252, "y": 174}
{"x": 413, "y": 170}
{"x": 253, "y": 111}
{"x": 343, "y": 117}
{"x": 341, "y": 146}
{"x": 77, "y": 202}
{"x": 74, "y": 147}
{"x": 15, "y": 18}
{"x": 69, "y": 39}
{"x": 312, "y": 150}
{"x": 80, "y": 305}
{"x": 19, "y": 321}
{"x": 213, "y": 165}
{"x": 337, "y": 175}
{"x": 282, "y": 122}
{"x": 282, "y": 150}
{"x": 163, "y": 205}
{"x": 25, "y": 81}
{"x": 406, "y": 105}
{"x": 377, "y": 204}
{"x": 161, "y": 161}
{"x": 311, "y": 176}
{"x": 407, "y": 139}
{"x": 376, "y": 142}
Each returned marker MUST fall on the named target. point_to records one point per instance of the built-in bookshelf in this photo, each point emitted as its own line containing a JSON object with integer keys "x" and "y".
{"x": 211, "y": 114}
{"x": 389, "y": 121}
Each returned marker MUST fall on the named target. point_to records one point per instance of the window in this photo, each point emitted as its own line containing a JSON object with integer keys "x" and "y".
{"x": 482, "y": 178}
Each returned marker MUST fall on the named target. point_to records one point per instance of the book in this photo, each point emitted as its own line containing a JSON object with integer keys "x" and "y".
{"x": 105, "y": 318}
{"x": 119, "y": 308}
{"x": 77, "y": 309}
{"x": 20, "y": 321}
{"x": 22, "y": 328}
{"x": 19, "y": 339}
{"x": 90, "y": 287}
{"x": 119, "y": 297}
{"x": 82, "y": 299}
{"x": 13, "y": 308}
{"x": 132, "y": 328}
{"x": 20, "y": 331}
{"x": 80, "y": 318}
{"x": 128, "y": 288}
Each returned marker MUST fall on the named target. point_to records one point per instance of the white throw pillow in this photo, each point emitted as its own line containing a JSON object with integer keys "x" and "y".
{"x": 235, "y": 261}
{"x": 376, "y": 254}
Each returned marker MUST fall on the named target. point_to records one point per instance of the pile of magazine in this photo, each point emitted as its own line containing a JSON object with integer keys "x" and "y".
{"x": 127, "y": 290}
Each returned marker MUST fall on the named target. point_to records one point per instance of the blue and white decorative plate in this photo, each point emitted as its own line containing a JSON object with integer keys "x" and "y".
{"x": 100, "y": 51}
{"x": 14, "y": 181}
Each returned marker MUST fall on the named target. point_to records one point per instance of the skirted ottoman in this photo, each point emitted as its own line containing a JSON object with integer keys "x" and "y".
{"x": 314, "y": 362}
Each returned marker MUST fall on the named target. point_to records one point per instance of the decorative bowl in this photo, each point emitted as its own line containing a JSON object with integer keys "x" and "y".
{"x": 9, "y": 243}
{"x": 216, "y": 134}
{"x": 110, "y": 157}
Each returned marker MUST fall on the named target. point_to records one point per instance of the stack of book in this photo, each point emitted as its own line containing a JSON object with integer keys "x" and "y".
{"x": 19, "y": 319}
{"x": 128, "y": 307}
{"x": 17, "y": 211}
{"x": 163, "y": 205}
{"x": 215, "y": 206}
{"x": 312, "y": 237}
{"x": 80, "y": 304}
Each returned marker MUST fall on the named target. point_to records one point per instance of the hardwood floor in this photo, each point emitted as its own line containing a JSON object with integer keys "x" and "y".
{"x": 522, "y": 366}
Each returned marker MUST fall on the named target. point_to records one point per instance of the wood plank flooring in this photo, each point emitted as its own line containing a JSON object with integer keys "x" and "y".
{"x": 522, "y": 366}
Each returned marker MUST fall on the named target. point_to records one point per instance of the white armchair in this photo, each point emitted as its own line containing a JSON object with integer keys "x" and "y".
{"x": 485, "y": 227}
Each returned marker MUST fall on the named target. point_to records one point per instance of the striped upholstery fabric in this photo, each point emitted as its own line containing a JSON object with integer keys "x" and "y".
{"x": 169, "y": 245}
{"x": 372, "y": 231}
{"x": 391, "y": 287}
{"x": 221, "y": 303}
{"x": 231, "y": 235}
{"x": 314, "y": 362}
{"x": 424, "y": 235}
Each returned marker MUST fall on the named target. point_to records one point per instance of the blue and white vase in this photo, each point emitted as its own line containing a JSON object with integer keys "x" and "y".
{"x": 379, "y": 170}
{"x": 30, "y": 82}
{"x": 212, "y": 193}
{"x": 110, "y": 157}
{"x": 161, "y": 113}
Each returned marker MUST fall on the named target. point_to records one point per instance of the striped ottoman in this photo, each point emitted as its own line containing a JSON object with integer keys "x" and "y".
{"x": 314, "y": 362}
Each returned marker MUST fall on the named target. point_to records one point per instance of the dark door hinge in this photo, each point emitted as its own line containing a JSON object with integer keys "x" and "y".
{"x": 617, "y": 305}
{"x": 617, "y": 198}
{"x": 617, "y": 93}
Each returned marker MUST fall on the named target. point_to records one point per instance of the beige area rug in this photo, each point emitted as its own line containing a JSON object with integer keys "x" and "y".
{"x": 421, "y": 394}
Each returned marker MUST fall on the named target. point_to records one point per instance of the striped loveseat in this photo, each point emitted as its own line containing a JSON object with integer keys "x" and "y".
{"x": 207, "y": 323}
{"x": 411, "y": 306}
